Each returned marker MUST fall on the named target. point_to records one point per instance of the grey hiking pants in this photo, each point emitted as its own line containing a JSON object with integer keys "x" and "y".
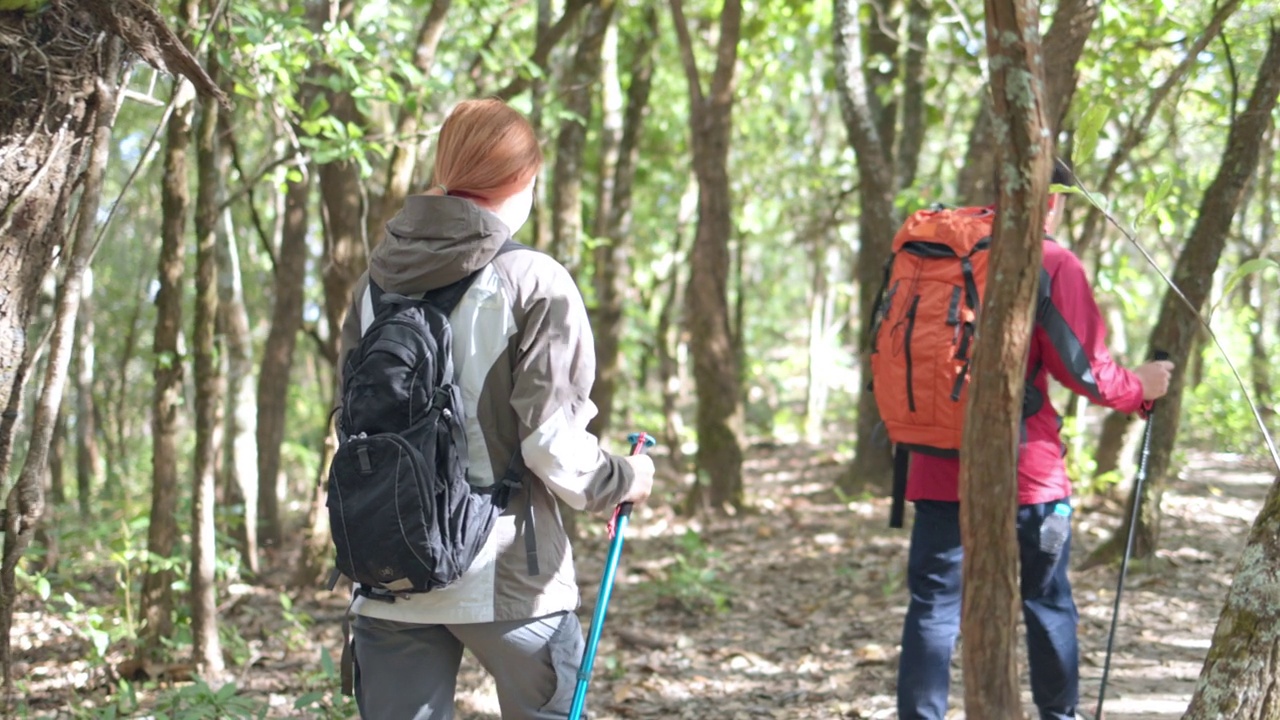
{"x": 406, "y": 671}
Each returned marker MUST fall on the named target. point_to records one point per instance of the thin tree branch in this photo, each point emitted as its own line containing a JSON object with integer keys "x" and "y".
{"x": 686, "y": 55}
{"x": 542, "y": 50}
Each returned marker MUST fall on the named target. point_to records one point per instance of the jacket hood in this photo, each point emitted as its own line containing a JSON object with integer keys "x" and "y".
{"x": 435, "y": 241}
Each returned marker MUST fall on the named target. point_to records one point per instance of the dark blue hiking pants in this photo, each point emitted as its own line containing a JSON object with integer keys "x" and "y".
{"x": 933, "y": 617}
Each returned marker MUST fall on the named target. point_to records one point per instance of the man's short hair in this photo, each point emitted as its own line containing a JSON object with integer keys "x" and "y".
{"x": 1062, "y": 173}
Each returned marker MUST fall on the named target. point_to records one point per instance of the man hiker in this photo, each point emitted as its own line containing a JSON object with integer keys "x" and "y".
{"x": 1069, "y": 344}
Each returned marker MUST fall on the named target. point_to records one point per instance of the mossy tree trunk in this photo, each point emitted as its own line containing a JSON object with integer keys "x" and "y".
{"x": 1241, "y": 675}
{"x": 989, "y": 505}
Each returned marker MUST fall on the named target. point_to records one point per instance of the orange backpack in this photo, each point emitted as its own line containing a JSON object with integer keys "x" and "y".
{"x": 922, "y": 332}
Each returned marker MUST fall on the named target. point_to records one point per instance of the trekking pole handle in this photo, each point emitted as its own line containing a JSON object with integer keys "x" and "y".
{"x": 1157, "y": 355}
{"x": 640, "y": 444}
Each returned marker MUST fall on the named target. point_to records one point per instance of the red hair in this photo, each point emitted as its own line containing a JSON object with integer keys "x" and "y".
{"x": 486, "y": 151}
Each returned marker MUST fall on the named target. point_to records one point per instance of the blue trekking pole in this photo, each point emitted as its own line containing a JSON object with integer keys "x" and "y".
{"x": 640, "y": 442}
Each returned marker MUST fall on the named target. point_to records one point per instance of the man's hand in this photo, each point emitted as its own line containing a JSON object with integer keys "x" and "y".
{"x": 1155, "y": 378}
{"x": 642, "y": 480}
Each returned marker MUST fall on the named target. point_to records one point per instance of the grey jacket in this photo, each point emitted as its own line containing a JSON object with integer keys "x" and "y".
{"x": 525, "y": 361}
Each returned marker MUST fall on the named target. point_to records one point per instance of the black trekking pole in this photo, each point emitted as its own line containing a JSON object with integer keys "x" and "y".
{"x": 640, "y": 442}
{"x": 1128, "y": 544}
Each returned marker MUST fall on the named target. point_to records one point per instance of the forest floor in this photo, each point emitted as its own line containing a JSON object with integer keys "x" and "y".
{"x": 791, "y": 610}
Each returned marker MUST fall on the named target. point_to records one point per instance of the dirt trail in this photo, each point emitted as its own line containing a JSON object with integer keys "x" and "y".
{"x": 815, "y": 603}
{"x": 791, "y": 611}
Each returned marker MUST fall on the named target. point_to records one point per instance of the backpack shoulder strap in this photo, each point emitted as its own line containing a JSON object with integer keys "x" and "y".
{"x": 369, "y": 304}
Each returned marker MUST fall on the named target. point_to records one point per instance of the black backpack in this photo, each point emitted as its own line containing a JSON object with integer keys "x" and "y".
{"x": 404, "y": 517}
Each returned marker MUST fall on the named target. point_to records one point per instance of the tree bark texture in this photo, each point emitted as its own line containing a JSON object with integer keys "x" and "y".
{"x": 715, "y": 362}
{"x": 277, "y": 356}
{"x": 41, "y": 143}
{"x": 611, "y": 257}
{"x": 877, "y": 222}
{"x": 1063, "y": 44}
{"x": 53, "y": 59}
{"x": 1177, "y": 326}
{"x": 989, "y": 455}
{"x": 25, "y": 503}
{"x": 210, "y": 386}
{"x": 581, "y": 80}
{"x": 1240, "y": 679}
{"x": 167, "y": 397}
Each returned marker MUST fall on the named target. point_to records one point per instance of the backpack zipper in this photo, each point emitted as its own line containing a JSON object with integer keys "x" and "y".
{"x": 911, "y": 325}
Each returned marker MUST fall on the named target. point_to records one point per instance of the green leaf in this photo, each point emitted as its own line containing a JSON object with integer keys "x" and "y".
{"x": 326, "y": 663}
{"x": 1155, "y": 198}
{"x": 226, "y": 692}
{"x": 318, "y": 108}
{"x": 308, "y": 700}
{"x": 1253, "y": 266}
{"x": 1088, "y": 129}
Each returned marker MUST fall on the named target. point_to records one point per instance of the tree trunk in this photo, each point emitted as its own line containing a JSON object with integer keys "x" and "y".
{"x": 24, "y": 505}
{"x": 344, "y": 259}
{"x": 1111, "y": 443}
{"x": 47, "y": 529}
{"x": 1241, "y": 675}
{"x": 611, "y": 256}
{"x": 606, "y": 313}
{"x": 579, "y": 100}
{"x": 1255, "y": 293}
{"x": 1177, "y": 326}
{"x": 88, "y": 457}
{"x": 45, "y": 112}
{"x": 670, "y": 340}
{"x": 989, "y": 456}
{"x": 56, "y": 485}
{"x": 239, "y": 461}
{"x": 540, "y": 217}
{"x": 52, "y": 58}
{"x": 1063, "y": 45}
{"x": 277, "y": 357}
{"x": 162, "y": 534}
{"x": 206, "y": 650}
{"x": 872, "y": 466}
{"x": 881, "y": 68}
{"x": 715, "y": 363}
{"x": 911, "y": 139}
{"x": 315, "y": 559}
{"x": 822, "y": 334}
{"x": 116, "y": 396}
